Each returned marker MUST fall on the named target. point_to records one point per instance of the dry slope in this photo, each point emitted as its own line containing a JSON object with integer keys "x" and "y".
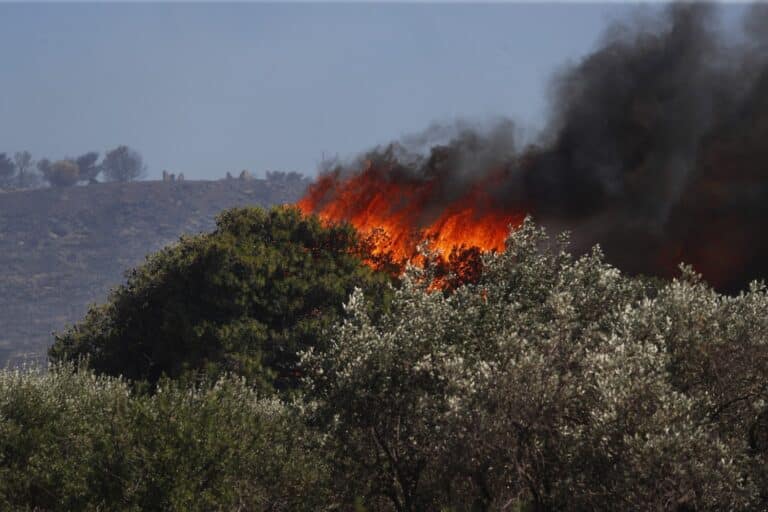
{"x": 63, "y": 249}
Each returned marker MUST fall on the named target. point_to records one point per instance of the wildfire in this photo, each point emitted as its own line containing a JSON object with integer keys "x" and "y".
{"x": 397, "y": 212}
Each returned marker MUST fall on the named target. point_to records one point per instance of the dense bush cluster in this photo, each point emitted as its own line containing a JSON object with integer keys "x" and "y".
{"x": 551, "y": 383}
{"x": 73, "y": 441}
{"x": 245, "y": 298}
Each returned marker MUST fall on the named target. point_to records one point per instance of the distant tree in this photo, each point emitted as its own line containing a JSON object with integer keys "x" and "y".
{"x": 24, "y": 166}
{"x": 285, "y": 177}
{"x": 123, "y": 164}
{"x": 44, "y": 168}
{"x": 7, "y": 170}
{"x": 62, "y": 173}
{"x": 87, "y": 166}
{"x": 245, "y": 299}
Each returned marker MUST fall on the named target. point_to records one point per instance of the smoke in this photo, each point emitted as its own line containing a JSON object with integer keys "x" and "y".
{"x": 656, "y": 148}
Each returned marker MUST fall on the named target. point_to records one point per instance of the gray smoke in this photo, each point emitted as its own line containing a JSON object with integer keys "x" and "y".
{"x": 657, "y": 148}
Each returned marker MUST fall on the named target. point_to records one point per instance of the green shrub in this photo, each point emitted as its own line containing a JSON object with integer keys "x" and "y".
{"x": 242, "y": 299}
{"x": 75, "y": 441}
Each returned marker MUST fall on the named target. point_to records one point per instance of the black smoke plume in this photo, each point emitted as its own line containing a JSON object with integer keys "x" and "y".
{"x": 657, "y": 148}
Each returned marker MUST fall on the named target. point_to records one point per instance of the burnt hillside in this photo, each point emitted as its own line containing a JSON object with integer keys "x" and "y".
{"x": 63, "y": 249}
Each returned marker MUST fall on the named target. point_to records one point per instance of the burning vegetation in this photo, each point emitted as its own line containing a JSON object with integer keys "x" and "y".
{"x": 655, "y": 149}
{"x": 400, "y": 207}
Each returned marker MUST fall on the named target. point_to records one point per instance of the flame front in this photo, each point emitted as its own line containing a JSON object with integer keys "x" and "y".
{"x": 397, "y": 213}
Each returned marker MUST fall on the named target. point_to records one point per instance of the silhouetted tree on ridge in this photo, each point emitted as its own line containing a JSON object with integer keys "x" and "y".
{"x": 7, "y": 170}
{"x": 123, "y": 164}
{"x": 24, "y": 165}
{"x": 87, "y": 166}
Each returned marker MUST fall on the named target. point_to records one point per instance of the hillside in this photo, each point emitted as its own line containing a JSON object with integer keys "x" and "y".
{"x": 63, "y": 249}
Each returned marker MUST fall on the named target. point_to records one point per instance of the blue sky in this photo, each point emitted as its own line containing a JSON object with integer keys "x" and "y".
{"x": 209, "y": 88}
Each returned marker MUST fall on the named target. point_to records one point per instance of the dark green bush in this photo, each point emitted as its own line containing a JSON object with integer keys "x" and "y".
{"x": 242, "y": 299}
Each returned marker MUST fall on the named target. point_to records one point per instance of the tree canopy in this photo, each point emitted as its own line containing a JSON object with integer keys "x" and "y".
{"x": 24, "y": 164}
{"x": 61, "y": 173}
{"x": 88, "y": 167}
{"x": 7, "y": 169}
{"x": 73, "y": 441}
{"x": 123, "y": 164}
{"x": 244, "y": 299}
{"x": 553, "y": 383}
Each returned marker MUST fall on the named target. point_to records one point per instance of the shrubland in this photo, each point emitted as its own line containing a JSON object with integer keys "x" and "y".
{"x": 551, "y": 382}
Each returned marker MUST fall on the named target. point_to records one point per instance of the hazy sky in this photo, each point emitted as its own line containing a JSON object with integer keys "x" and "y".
{"x": 209, "y": 88}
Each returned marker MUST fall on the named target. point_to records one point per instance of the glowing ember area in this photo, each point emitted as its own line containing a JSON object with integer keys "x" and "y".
{"x": 397, "y": 212}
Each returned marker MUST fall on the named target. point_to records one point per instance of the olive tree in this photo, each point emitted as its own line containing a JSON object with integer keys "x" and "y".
{"x": 7, "y": 170}
{"x": 61, "y": 173}
{"x": 24, "y": 165}
{"x": 71, "y": 440}
{"x": 123, "y": 164}
{"x": 553, "y": 383}
{"x": 88, "y": 167}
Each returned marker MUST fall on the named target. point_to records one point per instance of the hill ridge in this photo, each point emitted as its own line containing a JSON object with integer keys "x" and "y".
{"x": 63, "y": 249}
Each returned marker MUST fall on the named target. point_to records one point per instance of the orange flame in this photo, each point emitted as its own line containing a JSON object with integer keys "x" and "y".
{"x": 398, "y": 213}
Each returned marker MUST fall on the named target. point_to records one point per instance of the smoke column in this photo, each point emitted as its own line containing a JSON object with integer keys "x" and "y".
{"x": 656, "y": 148}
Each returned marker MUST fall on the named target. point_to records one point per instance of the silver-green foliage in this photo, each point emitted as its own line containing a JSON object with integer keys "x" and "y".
{"x": 554, "y": 383}
{"x": 76, "y": 441}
